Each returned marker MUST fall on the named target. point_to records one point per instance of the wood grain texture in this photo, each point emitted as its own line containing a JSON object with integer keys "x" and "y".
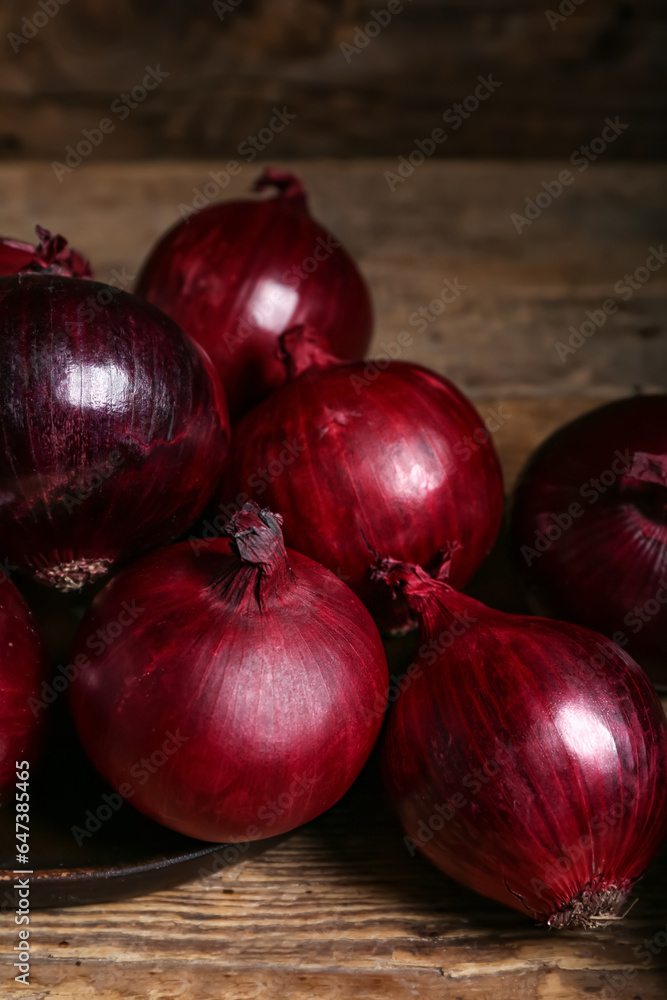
{"x": 226, "y": 73}
{"x": 450, "y": 221}
{"x": 341, "y": 910}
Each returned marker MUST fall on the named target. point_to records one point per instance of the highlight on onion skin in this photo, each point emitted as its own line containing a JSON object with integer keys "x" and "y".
{"x": 589, "y": 523}
{"x": 243, "y": 700}
{"x": 236, "y": 275}
{"x": 113, "y": 427}
{"x": 23, "y": 669}
{"x": 401, "y": 462}
{"x": 528, "y": 757}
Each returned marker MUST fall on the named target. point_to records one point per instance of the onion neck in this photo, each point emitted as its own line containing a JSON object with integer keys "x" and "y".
{"x": 645, "y": 468}
{"x": 434, "y": 601}
{"x": 644, "y": 485}
{"x": 258, "y": 540}
{"x": 50, "y": 256}
{"x": 286, "y": 186}
{"x": 302, "y": 348}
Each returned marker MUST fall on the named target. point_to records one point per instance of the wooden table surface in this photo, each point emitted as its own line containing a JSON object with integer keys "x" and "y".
{"x": 341, "y": 910}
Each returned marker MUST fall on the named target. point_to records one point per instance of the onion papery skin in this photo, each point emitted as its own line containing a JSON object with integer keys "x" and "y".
{"x": 23, "y": 669}
{"x": 265, "y": 666}
{"x": 607, "y": 568}
{"x": 113, "y": 426}
{"x": 235, "y": 275}
{"x": 527, "y": 758}
{"x": 392, "y": 465}
{"x": 49, "y": 256}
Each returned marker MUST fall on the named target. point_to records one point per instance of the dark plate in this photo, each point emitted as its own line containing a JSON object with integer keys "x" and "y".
{"x": 77, "y": 856}
{"x": 87, "y": 845}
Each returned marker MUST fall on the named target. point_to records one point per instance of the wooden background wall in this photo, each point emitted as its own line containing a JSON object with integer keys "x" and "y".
{"x": 226, "y": 73}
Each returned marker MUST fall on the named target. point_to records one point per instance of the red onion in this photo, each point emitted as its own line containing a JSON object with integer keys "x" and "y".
{"x": 23, "y": 669}
{"x": 113, "y": 426}
{"x": 242, "y": 701}
{"x": 525, "y": 757}
{"x": 235, "y": 275}
{"x": 386, "y": 455}
{"x": 50, "y": 255}
{"x": 590, "y": 522}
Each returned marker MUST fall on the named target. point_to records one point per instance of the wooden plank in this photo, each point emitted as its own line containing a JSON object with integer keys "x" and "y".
{"x": 559, "y": 81}
{"x": 451, "y": 221}
{"x": 189, "y": 982}
{"x": 339, "y": 910}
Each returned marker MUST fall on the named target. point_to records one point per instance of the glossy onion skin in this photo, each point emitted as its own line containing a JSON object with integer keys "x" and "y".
{"x": 390, "y": 466}
{"x": 227, "y": 276}
{"x": 23, "y": 668}
{"x": 571, "y": 747}
{"x": 276, "y": 708}
{"x": 612, "y": 559}
{"x": 113, "y": 427}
